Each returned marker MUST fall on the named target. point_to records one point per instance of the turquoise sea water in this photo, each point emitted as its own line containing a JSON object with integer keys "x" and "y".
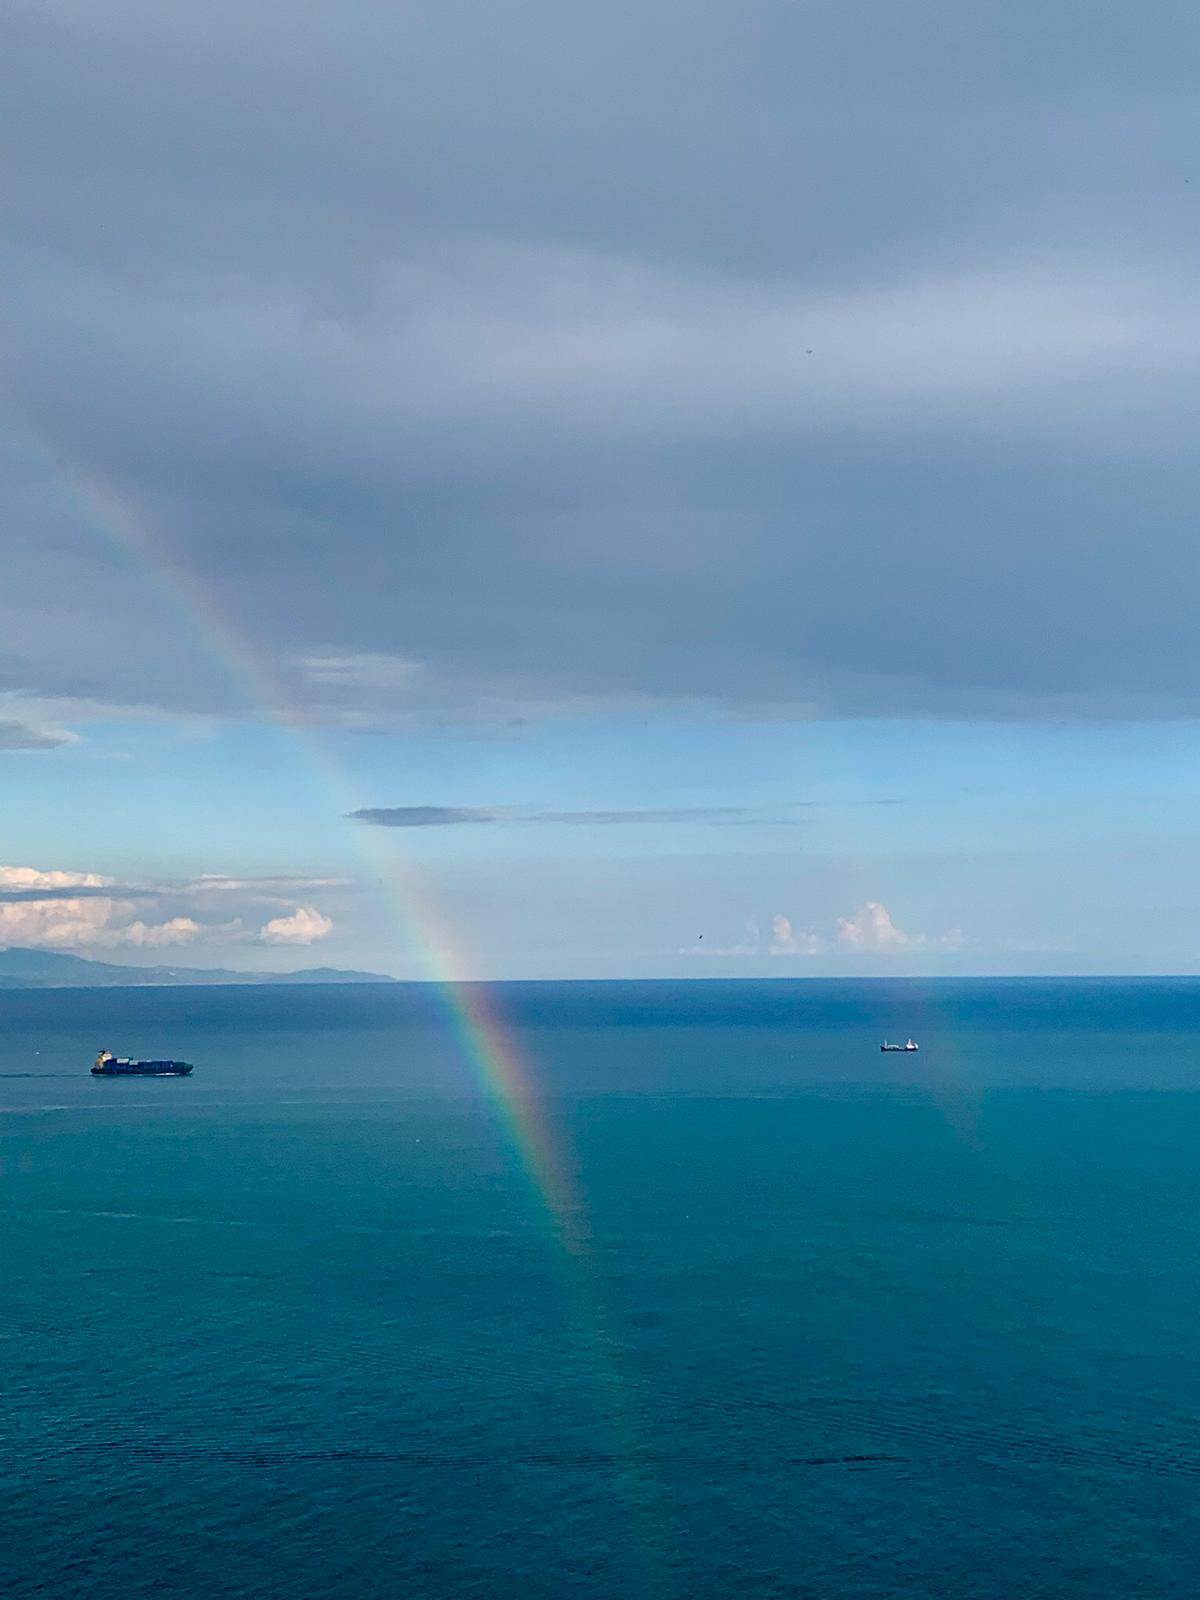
{"x": 844, "y": 1325}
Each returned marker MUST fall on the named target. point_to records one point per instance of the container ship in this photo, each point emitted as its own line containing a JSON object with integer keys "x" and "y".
{"x": 108, "y": 1065}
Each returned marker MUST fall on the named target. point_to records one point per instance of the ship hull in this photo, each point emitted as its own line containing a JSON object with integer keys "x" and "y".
{"x": 146, "y": 1069}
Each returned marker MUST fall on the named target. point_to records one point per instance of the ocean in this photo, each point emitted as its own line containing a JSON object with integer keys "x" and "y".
{"x": 736, "y": 1305}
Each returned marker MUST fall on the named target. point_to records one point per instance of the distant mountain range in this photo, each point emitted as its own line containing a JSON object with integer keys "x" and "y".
{"x": 50, "y": 969}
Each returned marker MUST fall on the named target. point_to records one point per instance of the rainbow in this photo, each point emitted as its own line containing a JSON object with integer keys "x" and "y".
{"x": 487, "y": 1045}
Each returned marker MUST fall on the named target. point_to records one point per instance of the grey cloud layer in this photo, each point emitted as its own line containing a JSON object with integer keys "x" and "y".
{"x": 75, "y": 892}
{"x": 453, "y": 816}
{"x": 24, "y": 736}
{"x": 486, "y": 363}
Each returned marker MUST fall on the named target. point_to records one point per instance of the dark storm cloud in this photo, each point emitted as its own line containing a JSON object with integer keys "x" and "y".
{"x": 471, "y": 364}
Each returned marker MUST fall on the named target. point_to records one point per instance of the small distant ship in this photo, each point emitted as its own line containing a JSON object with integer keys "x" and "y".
{"x": 108, "y": 1065}
{"x": 909, "y": 1044}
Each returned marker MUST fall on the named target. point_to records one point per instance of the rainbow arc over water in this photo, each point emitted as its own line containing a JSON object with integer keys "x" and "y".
{"x": 487, "y": 1043}
{"x": 121, "y": 518}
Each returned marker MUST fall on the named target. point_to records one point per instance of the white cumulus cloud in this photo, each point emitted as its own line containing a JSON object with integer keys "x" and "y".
{"x": 87, "y": 924}
{"x": 56, "y": 924}
{"x": 304, "y": 926}
{"x": 789, "y": 941}
{"x": 63, "y": 909}
{"x": 177, "y": 930}
{"x": 35, "y": 878}
{"x": 871, "y": 928}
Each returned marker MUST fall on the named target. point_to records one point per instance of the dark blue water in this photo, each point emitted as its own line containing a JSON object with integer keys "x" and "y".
{"x": 844, "y": 1325}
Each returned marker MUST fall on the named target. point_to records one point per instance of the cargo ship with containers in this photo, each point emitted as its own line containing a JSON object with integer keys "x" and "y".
{"x": 108, "y": 1065}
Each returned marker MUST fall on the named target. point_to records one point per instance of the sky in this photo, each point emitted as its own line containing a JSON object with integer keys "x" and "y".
{"x": 554, "y": 490}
